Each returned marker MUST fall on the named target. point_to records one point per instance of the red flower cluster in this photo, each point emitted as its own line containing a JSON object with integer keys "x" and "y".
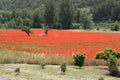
{"x": 59, "y": 42}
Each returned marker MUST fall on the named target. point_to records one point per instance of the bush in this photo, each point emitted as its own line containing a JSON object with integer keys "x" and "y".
{"x": 17, "y": 70}
{"x": 79, "y": 60}
{"x": 63, "y": 68}
{"x": 115, "y": 27}
{"x": 111, "y": 56}
{"x": 101, "y": 78}
{"x": 105, "y": 54}
{"x": 75, "y": 26}
{"x": 112, "y": 65}
{"x": 43, "y": 64}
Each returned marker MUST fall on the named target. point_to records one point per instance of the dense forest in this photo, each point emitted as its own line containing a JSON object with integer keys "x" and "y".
{"x": 33, "y": 13}
{"x": 33, "y": 4}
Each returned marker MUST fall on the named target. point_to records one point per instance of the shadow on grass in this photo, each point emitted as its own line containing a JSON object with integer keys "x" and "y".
{"x": 78, "y": 67}
{"x": 109, "y": 74}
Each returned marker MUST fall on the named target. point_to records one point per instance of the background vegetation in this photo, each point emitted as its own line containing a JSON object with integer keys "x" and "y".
{"x": 87, "y": 14}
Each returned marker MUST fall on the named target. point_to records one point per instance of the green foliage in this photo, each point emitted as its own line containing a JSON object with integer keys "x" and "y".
{"x": 86, "y": 18}
{"x": 112, "y": 65}
{"x": 49, "y": 14}
{"x": 66, "y": 13}
{"x": 42, "y": 65}
{"x": 19, "y": 22}
{"x": 112, "y": 60}
{"x": 79, "y": 59}
{"x": 5, "y": 16}
{"x": 111, "y": 56}
{"x": 116, "y": 11}
{"x": 77, "y": 16}
{"x": 27, "y": 30}
{"x": 58, "y": 13}
{"x": 30, "y": 4}
{"x": 12, "y": 24}
{"x": 17, "y": 70}
{"x": 56, "y": 26}
{"x": 115, "y": 26}
{"x": 27, "y": 22}
{"x": 107, "y": 10}
{"x": 101, "y": 78}
{"x": 76, "y": 26}
{"x": 63, "y": 67}
{"x": 103, "y": 11}
{"x": 105, "y": 54}
{"x": 36, "y": 19}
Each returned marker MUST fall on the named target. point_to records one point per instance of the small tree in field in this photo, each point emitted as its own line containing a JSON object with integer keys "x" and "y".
{"x": 26, "y": 26}
{"x": 43, "y": 64}
{"x": 79, "y": 59}
{"x": 63, "y": 68}
{"x": 26, "y": 30}
{"x": 111, "y": 56}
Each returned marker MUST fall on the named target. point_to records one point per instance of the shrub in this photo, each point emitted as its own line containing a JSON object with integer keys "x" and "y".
{"x": 98, "y": 29}
{"x": 79, "y": 60}
{"x": 111, "y": 56}
{"x": 115, "y": 27}
{"x": 112, "y": 65}
{"x": 101, "y": 78}
{"x": 17, "y": 70}
{"x": 63, "y": 68}
{"x": 75, "y": 26}
{"x": 43, "y": 64}
{"x": 105, "y": 54}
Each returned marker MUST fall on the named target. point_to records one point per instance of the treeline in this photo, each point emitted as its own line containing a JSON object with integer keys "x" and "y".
{"x": 33, "y": 4}
{"x": 58, "y": 14}
{"x": 16, "y": 19}
{"x": 107, "y": 10}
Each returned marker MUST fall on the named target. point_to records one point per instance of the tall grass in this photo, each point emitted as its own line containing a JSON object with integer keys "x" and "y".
{"x": 8, "y": 56}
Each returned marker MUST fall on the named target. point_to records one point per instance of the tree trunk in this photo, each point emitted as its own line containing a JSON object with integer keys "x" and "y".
{"x": 114, "y": 70}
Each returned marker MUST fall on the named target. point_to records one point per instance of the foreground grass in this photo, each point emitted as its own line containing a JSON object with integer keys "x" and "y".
{"x": 8, "y": 56}
{"x": 33, "y": 72}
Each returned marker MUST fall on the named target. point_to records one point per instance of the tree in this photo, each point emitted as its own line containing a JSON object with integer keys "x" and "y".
{"x": 5, "y": 17}
{"x": 27, "y": 22}
{"x": 26, "y": 29}
{"x": 66, "y": 13}
{"x": 19, "y": 22}
{"x": 27, "y": 26}
{"x": 49, "y": 14}
{"x": 116, "y": 11}
{"x": 111, "y": 56}
{"x": 86, "y": 18}
{"x": 77, "y": 16}
{"x": 36, "y": 19}
{"x": 103, "y": 11}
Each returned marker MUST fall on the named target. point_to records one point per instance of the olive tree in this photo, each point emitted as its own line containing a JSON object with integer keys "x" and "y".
{"x": 111, "y": 56}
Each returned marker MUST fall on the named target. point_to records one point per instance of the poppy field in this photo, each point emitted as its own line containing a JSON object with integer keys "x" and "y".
{"x": 59, "y": 42}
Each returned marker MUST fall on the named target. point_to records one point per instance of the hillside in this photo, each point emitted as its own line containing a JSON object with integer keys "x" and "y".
{"x": 33, "y": 4}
